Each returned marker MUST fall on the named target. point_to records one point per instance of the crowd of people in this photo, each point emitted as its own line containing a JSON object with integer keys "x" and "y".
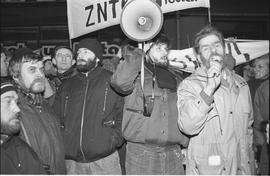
{"x": 67, "y": 114}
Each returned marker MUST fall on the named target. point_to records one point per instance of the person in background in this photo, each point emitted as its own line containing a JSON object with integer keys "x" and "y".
{"x": 5, "y": 57}
{"x": 40, "y": 128}
{"x": 91, "y": 115}
{"x": 63, "y": 59}
{"x": 17, "y": 157}
{"x": 49, "y": 68}
{"x": 215, "y": 108}
{"x": 150, "y": 114}
{"x": 261, "y": 112}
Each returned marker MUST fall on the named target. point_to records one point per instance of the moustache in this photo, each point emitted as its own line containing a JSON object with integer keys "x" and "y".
{"x": 216, "y": 57}
{"x": 38, "y": 80}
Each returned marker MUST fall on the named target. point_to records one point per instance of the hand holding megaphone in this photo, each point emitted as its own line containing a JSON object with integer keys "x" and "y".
{"x": 213, "y": 74}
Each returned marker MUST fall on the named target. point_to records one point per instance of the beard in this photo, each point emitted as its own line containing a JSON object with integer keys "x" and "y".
{"x": 85, "y": 66}
{"x": 162, "y": 61}
{"x": 11, "y": 127}
{"x": 37, "y": 86}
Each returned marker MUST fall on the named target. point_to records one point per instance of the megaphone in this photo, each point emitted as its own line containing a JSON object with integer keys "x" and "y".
{"x": 141, "y": 20}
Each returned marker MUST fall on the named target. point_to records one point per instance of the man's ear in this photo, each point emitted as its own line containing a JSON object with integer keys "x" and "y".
{"x": 73, "y": 61}
{"x": 54, "y": 61}
{"x": 16, "y": 79}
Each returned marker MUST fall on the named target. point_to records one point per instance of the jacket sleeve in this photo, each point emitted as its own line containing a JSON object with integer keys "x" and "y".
{"x": 247, "y": 164}
{"x": 126, "y": 73}
{"x": 192, "y": 108}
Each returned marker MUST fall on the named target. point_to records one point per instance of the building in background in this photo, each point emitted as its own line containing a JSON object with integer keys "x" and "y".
{"x": 42, "y": 24}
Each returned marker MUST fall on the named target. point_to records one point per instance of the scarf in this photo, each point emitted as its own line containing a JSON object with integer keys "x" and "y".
{"x": 164, "y": 78}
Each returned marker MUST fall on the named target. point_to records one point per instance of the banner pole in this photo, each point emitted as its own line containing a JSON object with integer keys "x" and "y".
{"x": 209, "y": 17}
{"x": 70, "y": 44}
{"x": 178, "y": 29}
{"x": 209, "y": 14}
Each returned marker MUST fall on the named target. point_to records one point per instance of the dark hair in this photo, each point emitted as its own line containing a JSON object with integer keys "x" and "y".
{"x": 206, "y": 31}
{"x": 162, "y": 38}
{"x": 61, "y": 47}
{"x": 21, "y": 56}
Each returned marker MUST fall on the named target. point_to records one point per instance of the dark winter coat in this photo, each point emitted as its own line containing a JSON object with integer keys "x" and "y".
{"x": 41, "y": 131}
{"x": 17, "y": 157}
{"x": 91, "y": 116}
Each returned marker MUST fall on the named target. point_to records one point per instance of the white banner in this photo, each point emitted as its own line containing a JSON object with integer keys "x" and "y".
{"x": 242, "y": 50}
{"x": 85, "y": 16}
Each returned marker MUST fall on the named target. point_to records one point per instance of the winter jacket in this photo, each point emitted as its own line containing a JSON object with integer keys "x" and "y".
{"x": 41, "y": 131}
{"x": 91, "y": 115}
{"x": 17, "y": 157}
{"x": 160, "y": 129}
{"x": 222, "y": 132}
{"x": 56, "y": 81}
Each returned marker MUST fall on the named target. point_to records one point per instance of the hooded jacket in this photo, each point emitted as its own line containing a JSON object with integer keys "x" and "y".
{"x": 91, "y": 116}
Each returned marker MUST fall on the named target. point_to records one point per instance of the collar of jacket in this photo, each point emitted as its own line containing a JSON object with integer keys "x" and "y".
{"x": 164, "y": 78}
{"x": 91, "y": 74}
{"x": 70, "y": 72}
{"x": 33, "y": 99}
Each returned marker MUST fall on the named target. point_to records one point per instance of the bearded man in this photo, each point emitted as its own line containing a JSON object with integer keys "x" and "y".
{"x": 154, "y": 142}
{"x": 215, "y": 108}
{"x": 17, "y": 157}
{"x": 40, "y": 128}
{"x": 91, "y": 115}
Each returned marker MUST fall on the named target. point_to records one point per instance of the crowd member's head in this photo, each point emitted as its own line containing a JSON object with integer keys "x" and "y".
{"x": 5, "y": 57}
{"x": 158, "y": 51}
{"x": 49, "y": 68}
{"x": 89, "y": 55}
{"x": 26, "y": 68}
{"x": 209, "y": 46}
{"x": 261, "y": 67}
{"x": 63, "y": 58}
{"x": 9, "y": 108}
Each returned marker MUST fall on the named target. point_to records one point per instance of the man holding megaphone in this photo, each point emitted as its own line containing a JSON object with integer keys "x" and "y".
{"x": 149, "y": 125}
{"x": 215, "y": 107}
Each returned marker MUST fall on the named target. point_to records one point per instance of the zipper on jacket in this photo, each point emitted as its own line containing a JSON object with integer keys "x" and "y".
{"x": 83, "y": 111}
{"x": 219, "y": 121}
{"x": 65, "y": 107}
{"x": 105, "y": 99}
{"x": 62, "y": 119}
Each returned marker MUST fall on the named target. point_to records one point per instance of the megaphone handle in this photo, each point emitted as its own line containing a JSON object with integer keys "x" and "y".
{"x": 142, "y": 65}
